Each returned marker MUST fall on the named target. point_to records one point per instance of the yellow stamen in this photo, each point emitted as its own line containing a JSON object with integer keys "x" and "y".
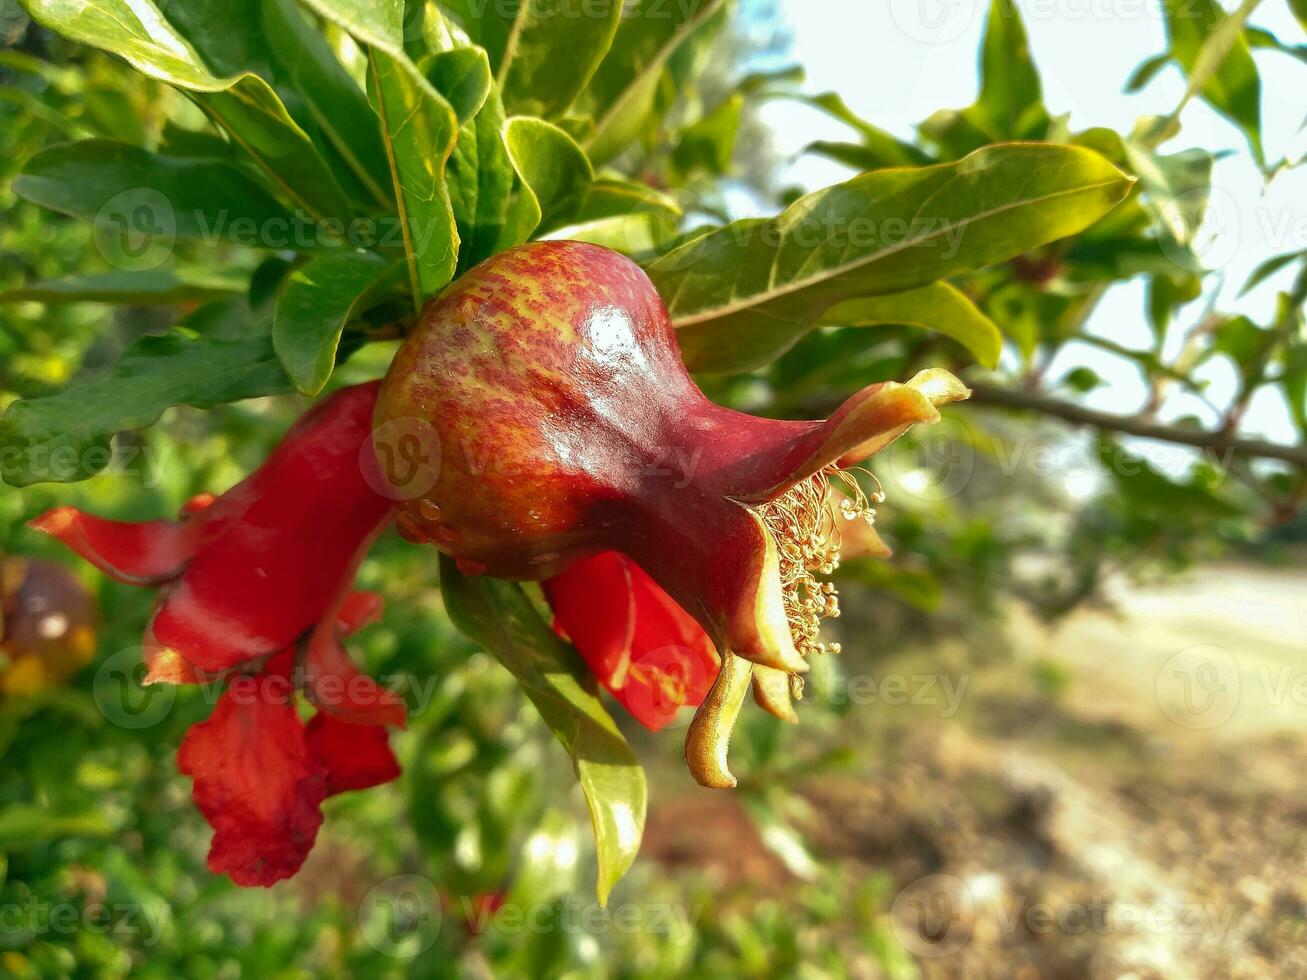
{"x": 807, "y": 535}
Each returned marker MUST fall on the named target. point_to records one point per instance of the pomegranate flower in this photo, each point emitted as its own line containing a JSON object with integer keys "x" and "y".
{"x": 551, "y": 389}
{"x": 255, "y": 592}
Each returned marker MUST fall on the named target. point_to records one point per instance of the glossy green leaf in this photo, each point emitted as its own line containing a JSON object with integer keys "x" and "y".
{"x": 885, "y": 150}
{"x": 153, "y": 286}
{"x": 883, "y": 232}
{"x": 419, "y": 128}
{"x": 336, "y": 102}
{"x": 1232, "y": 87}
{"x": 625, "y": 216}
{"x": 379, "y": 23}
{"x": 499, "y": 616}
{"x": 127, "y": 189}
{"x": 551, "y": 48}
{"x": 554, "y": 175}
{"x": 623, "y": 90}
{"x": 462, "y": 77}
{"x": 480, "y": 183}
{"x": 195, "y": 47}
{"x": 65, "y": 437}
{"x": 316, "y": 302}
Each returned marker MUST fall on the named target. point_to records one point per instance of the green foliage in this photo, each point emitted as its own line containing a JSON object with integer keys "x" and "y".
{"x": 267, "y": 207}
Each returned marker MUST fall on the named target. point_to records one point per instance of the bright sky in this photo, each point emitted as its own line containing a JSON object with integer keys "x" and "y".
{"x": 897, "y": 61}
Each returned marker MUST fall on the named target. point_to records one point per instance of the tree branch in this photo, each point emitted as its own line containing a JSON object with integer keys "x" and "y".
{"x": 1217, "y": 442}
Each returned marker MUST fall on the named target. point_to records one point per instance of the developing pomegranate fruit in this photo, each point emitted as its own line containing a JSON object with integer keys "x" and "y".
{"x": 548, "y": 385}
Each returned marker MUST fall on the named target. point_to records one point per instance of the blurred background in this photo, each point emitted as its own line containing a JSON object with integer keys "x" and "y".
{"x": 1067, "y": 735}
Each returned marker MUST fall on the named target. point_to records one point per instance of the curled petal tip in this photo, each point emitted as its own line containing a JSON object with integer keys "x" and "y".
{"x": 939, "y": 386}
{"x": 771, "y": 692}
{"x": 707, "y": 743}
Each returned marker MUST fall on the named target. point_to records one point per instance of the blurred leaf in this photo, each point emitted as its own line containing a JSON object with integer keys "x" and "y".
{"x": 317, "y": 301}
{"x": 554, "y": 175}
{"x": 64, "y": 437}
{"x": 1178, "y": 186}
{"x": 135, "y": 192}
{"x": 164, "y": 286}
{"x": 24, "y": 825}
{"x": 708, "y": 145}
{"x": 1271, "y": 266}
{"x": 1147, "y": 71}
{"x": 877, "y": 149}
{"x": 156, "y": 42}
{"x": 623, "y": 91}
{"x": 499, "y": 616}
{"x": 1232, "y": 87}
{"x": 1010, "y": 104}
{"x": 419, "y": 129}
{"x": 851, "y": 240}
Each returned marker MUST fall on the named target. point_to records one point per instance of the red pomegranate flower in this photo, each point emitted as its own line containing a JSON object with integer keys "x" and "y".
{"x": 551, "y": 389}
{"x": 256, "y": 591}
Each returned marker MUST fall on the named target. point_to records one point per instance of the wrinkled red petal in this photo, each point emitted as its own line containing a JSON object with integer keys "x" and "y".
{"x": 644, "y": 648}
{"x": 255, "y": 781}
{"x": 273, "y": 557}
{"x": 354, "y": 756}
{"x": 136, "y": 553}
{"x": 338, "y": 687}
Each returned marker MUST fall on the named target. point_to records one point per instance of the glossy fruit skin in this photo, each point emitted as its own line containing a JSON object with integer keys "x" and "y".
{"x": 548, "y": 384}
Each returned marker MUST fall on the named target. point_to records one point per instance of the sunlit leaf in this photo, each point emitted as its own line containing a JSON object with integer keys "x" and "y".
{"x": 317, "y": 301}
{"x": 883, "y": 232}
{"x": 499, "y": 616}
{"x": 554, "y": 175}
{"x": 163, "y": 286}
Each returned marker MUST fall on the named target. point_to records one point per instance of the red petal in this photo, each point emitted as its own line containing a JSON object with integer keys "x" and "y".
{"x": 358, "y": 609}
{"x": 594, "y": 606}
{"x": 270, "y": 565}
{"x": 136, "y": 553}
{"x": 255, "y": 781}
{"x": 337, "y": 686}
{"x": 617, "y": 616}
{"x": 354, "y": 756}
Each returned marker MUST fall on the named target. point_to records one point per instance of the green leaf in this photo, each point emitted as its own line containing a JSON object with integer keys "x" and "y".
{"x": 480, "y": 183}
{"x": 879, "y": 148}
{"x": 554, "y": 175}
{"x": 462, "y": 77}
{"x": 155, "y": 286}
{"x": 883, "y": 232}
{"x": 134, "y": 192}
{"x": 939, "y": 307}
{"x": 317, "y": 301}
{"x": 378, "y": 23}
{"x": 623, "y": 90}
{"x": 1147, "y": 71}
{"x": 1010, "y": 104}
{"x": 202, "y": 49}
{"x": 65, "y": 437}
{"x": 1270, "y": 267}
{"x": 1232, "y": 85}
{"x": 335, "y": 101}
{"x": 1177, "y": 185}
{"x": 551, "y": 49}
{"x": 499, "y": 616}
{"x": 626, "y": 216}
{"x": 419, "y": 128}
{"x": 708, "y": 145}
